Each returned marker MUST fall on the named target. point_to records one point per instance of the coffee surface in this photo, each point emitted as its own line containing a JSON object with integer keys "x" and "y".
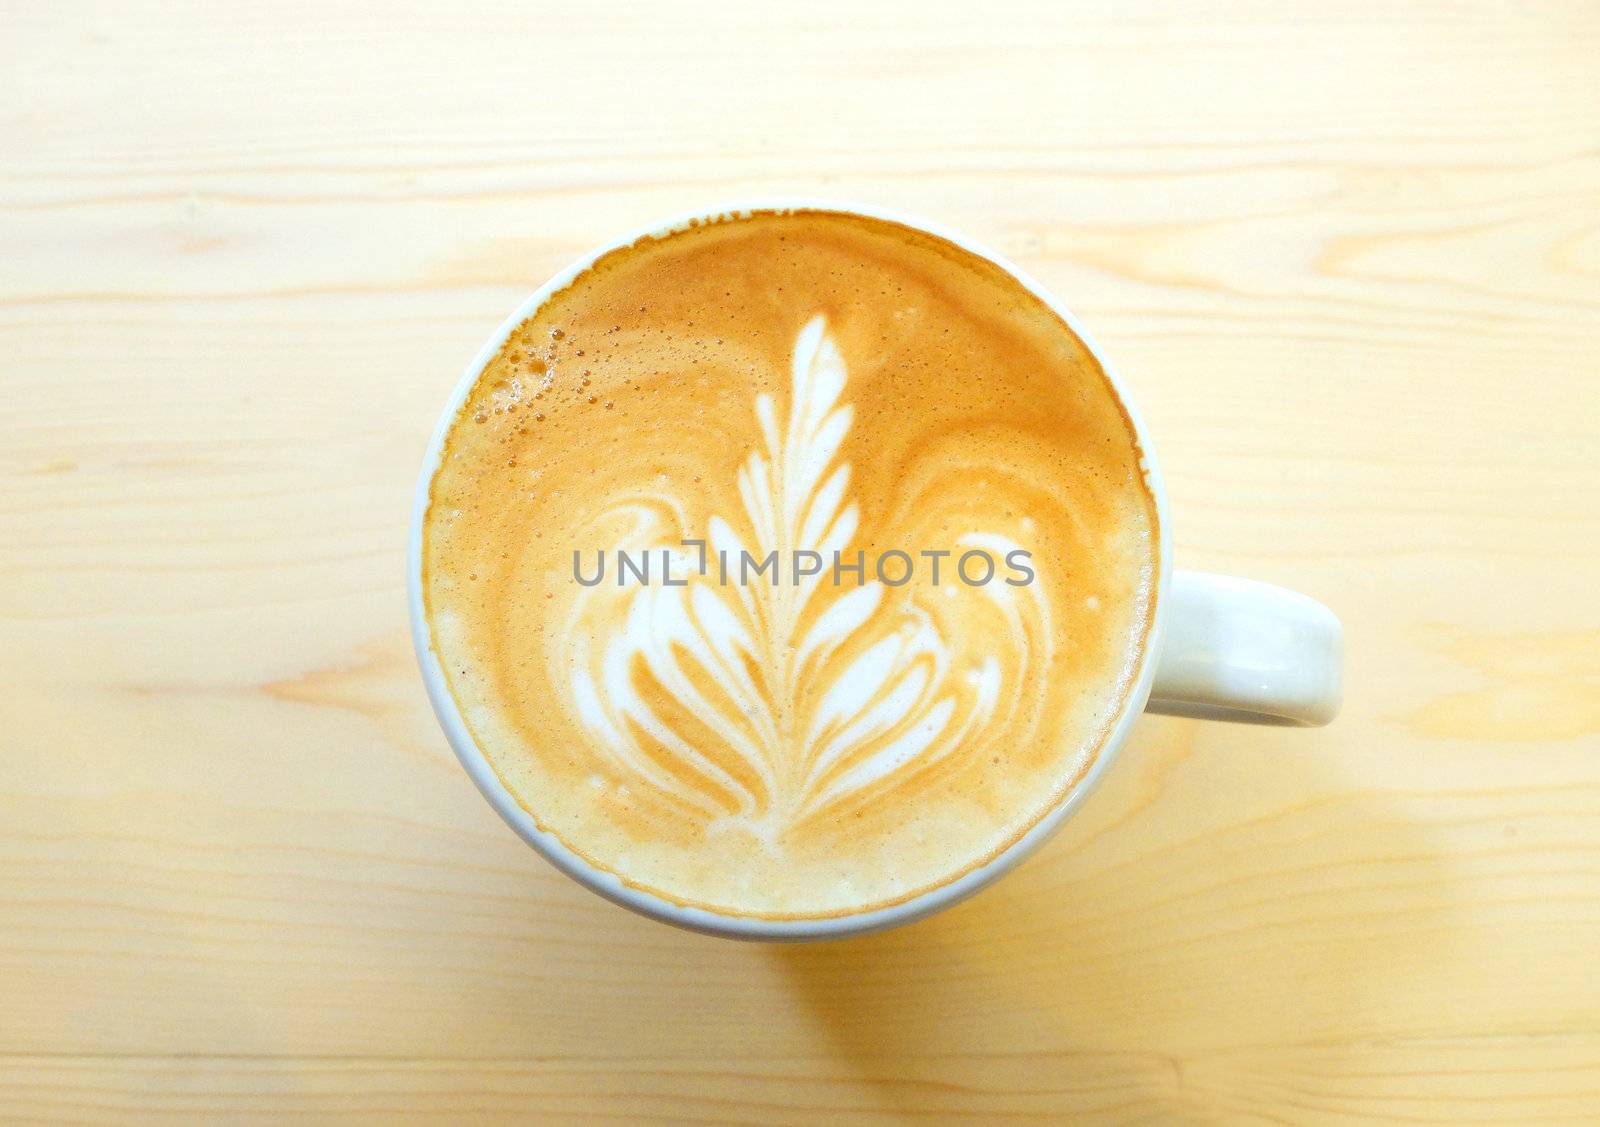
{"x": 959, "y": 549}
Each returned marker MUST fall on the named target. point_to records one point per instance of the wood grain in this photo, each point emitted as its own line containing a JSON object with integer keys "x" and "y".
{"x": 1349, "y": 257}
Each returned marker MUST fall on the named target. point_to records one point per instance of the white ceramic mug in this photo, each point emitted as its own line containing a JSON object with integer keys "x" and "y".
{"x": 1218, "y": 648}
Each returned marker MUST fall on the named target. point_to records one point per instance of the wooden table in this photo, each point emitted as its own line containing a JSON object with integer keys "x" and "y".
{"x": 1349, "y": 257}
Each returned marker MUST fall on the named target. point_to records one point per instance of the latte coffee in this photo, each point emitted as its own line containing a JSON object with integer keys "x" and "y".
{"x": 791, "y": 564}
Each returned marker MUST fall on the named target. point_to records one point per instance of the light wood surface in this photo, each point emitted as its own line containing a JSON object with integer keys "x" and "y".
{"x": 1347, "y": 255}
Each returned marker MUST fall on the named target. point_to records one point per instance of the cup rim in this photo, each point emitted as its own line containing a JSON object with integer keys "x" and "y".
{"x": 649, "y": 904}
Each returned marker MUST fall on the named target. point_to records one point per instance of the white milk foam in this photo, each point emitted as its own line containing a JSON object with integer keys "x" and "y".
{"x": 907, "y": 700}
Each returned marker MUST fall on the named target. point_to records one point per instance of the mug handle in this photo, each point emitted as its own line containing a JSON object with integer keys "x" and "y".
{"x": 1238, "y": 649}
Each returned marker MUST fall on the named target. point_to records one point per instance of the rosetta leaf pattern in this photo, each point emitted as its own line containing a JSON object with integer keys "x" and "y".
{"x": 761, "y": 706}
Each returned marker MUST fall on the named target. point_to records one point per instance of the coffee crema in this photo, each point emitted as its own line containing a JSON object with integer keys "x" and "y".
{"x": 797, "y": 383}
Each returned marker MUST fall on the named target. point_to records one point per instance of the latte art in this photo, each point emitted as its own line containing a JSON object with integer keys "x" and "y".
{"x": 790, "y": 565}
{"x": 746, "y": 705}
